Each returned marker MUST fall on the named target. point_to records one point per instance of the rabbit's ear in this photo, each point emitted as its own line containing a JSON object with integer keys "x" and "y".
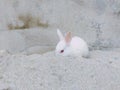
{"x": 68, "y": 37}
{"x": 61, "y": 37}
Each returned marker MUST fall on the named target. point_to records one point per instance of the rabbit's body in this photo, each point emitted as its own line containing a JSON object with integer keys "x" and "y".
{"x": 79, "y": 47}
{"x": 75, "y": 47}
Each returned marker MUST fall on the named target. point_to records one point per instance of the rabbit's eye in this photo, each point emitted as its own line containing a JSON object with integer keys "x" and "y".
{"x": 61, "y": 51}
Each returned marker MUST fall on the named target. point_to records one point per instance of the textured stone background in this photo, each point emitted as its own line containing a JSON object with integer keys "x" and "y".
{"x": 96, "y": 21}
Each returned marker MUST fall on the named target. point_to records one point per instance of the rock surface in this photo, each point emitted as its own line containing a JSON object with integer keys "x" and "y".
{"x": 96, "y": 21}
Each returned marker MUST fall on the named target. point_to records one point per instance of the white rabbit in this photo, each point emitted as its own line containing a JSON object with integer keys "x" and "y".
{"x": 71, "y": 46}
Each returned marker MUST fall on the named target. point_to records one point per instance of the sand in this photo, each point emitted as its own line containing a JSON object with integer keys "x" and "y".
{"x": 50, "y": 72}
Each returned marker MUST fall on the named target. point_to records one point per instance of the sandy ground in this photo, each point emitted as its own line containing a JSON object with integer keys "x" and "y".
{"x": 49, "y": 72}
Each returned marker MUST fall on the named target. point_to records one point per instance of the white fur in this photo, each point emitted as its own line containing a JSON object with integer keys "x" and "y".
{"x": 61, "y": 37}
{"x": 76, "y": 47}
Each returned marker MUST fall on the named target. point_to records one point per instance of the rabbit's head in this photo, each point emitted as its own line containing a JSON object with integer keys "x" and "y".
{"x": 63, "y": 46}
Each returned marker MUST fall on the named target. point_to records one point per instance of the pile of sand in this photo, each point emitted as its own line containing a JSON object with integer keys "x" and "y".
{"x": 49, "y": 72}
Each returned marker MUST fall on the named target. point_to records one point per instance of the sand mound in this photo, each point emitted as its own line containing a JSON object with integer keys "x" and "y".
{"x": 50, "y": 72}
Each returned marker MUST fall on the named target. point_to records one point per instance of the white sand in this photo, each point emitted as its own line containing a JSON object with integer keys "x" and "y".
{"x": 50, "y": 72}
